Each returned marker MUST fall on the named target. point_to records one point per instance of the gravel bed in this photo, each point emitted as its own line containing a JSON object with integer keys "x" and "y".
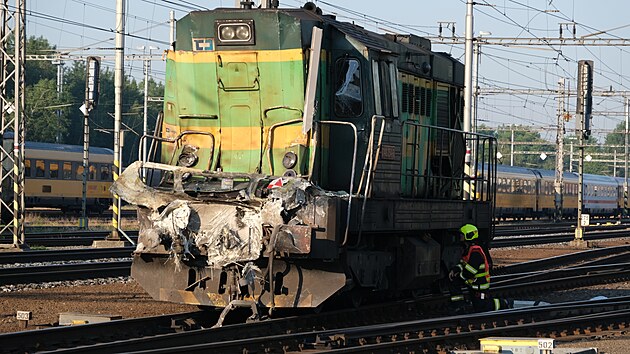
{"x": 50, "y": 263}
{"x": 123, "y": 296}
{"x": 617, "y": 344}
{"x": 69, "y": 283}
{"x": 112, "y": 296}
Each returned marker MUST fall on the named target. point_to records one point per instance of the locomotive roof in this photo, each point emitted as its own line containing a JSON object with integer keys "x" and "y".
{"x": 382, "y": 42}
{"x": 369, "y": 39}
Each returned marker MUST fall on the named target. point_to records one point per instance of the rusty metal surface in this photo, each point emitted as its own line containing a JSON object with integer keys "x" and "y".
{"x": 300, "y": 286}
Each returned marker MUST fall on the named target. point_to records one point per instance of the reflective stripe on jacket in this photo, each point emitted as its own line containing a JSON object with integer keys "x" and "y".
{"x": 474, "y": 269}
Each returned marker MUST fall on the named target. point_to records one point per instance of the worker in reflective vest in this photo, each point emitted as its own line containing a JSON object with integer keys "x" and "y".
{"x": 473, "y": 271}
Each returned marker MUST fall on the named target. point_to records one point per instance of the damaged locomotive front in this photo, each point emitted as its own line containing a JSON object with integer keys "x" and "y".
{"x": 217, "y": 233}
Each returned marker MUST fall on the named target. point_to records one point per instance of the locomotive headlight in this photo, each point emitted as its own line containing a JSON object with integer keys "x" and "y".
{"x": 227, "y": 33}
{"x": 242, "y": 32}
{"x": 289, "y": 160}
{"x": 235, "y": 32}
{"x": 187, "y": 160}
{"x": 188, "y": 157}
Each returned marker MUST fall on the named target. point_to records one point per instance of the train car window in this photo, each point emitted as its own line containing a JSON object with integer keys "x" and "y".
{"x": 393, "y": 79}
{"x": 40, "y": 168}
{"x": 105, "y": 173}
{"x": 348, "y": 99}
{"x": 92, "y": 172}
{"x": 67, "y": 170}
{"x": 27, "y": 168}
{"x": 53, "y": 169}
{"x": 78, "y": 172}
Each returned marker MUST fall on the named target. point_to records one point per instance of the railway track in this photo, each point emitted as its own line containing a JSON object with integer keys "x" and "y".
{"x": 509, "y": 230}
{"x": 67, "y": 272}
{"x": 58, "y": 212}
{"x": 64, "y": 255}
{"x": 64, "y": 272}
{"x": 425, "y": 335}
{"x": 66, "y": 238}
{"x": 506, "y": 238}
{"x": 397, "y": 326}
{"x": 589, "y": 235}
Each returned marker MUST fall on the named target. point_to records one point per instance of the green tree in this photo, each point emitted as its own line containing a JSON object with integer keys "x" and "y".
{"x": 36, "y": 70}
{"x": 45, "y": 119}
{"x": 525, "y": 155}
{"x": 102, "y": 117}
{"x": 615, "y": 144}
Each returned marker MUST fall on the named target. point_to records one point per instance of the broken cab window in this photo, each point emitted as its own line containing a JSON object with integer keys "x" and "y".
{"x": 348, "y": 101}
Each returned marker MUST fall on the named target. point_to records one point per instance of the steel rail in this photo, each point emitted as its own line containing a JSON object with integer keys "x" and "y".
{"x": 564, "y": 237}
{"x": 65, "y": 272}
{"x": 60, "y": 337}
{"x": 561, "y": 260}
{"x": 542, "y": 229}
{"x": 254, "y": 335}
{"x": 362, "y": 338}
{"x": 67, "y": 238}
{"x": 64, "y": 255}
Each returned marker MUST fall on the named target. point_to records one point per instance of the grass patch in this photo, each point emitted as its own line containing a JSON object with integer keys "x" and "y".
{"x": 43, "y": 223}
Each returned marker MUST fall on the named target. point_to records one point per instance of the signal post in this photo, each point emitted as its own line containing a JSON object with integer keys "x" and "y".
{"x": 584, "y": 109}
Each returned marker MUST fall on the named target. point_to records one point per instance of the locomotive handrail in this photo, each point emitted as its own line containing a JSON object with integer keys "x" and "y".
{"x": 270, "y": 139}
{"x": 369, "y": 155}
{"x": 267, "y": 110}
{"x": 177, "y": 138}
{"x": 354, "y": 160}
{"x": 469, "y": 136}
{"x": 373, "y": 163}
{"x": 254, "y": 87}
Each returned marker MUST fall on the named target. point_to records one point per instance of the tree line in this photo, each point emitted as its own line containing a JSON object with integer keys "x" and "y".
{"x": 56, "y": 118}
{"x": 529, "y": 145}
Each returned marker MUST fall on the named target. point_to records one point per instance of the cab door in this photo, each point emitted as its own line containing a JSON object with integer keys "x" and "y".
{"x": 241, "y": 131}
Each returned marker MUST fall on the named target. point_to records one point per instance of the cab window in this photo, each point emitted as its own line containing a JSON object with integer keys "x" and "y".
{"x": 348, "y": 99}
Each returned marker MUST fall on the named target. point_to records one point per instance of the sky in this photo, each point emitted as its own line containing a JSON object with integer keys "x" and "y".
{"x": 85, "y": 27}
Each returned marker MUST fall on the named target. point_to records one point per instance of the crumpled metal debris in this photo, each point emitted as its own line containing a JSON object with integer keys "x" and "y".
{"x": 129, "y": 186}
{"x": 225, "y": 230}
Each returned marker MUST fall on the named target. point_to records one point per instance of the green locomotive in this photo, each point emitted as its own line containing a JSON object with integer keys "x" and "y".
{"x": 302, "y": 158}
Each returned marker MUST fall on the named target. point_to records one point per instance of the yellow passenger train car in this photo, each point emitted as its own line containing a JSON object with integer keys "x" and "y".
{"x": 54, "y": 176}
{"x": 530, "y": 193}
